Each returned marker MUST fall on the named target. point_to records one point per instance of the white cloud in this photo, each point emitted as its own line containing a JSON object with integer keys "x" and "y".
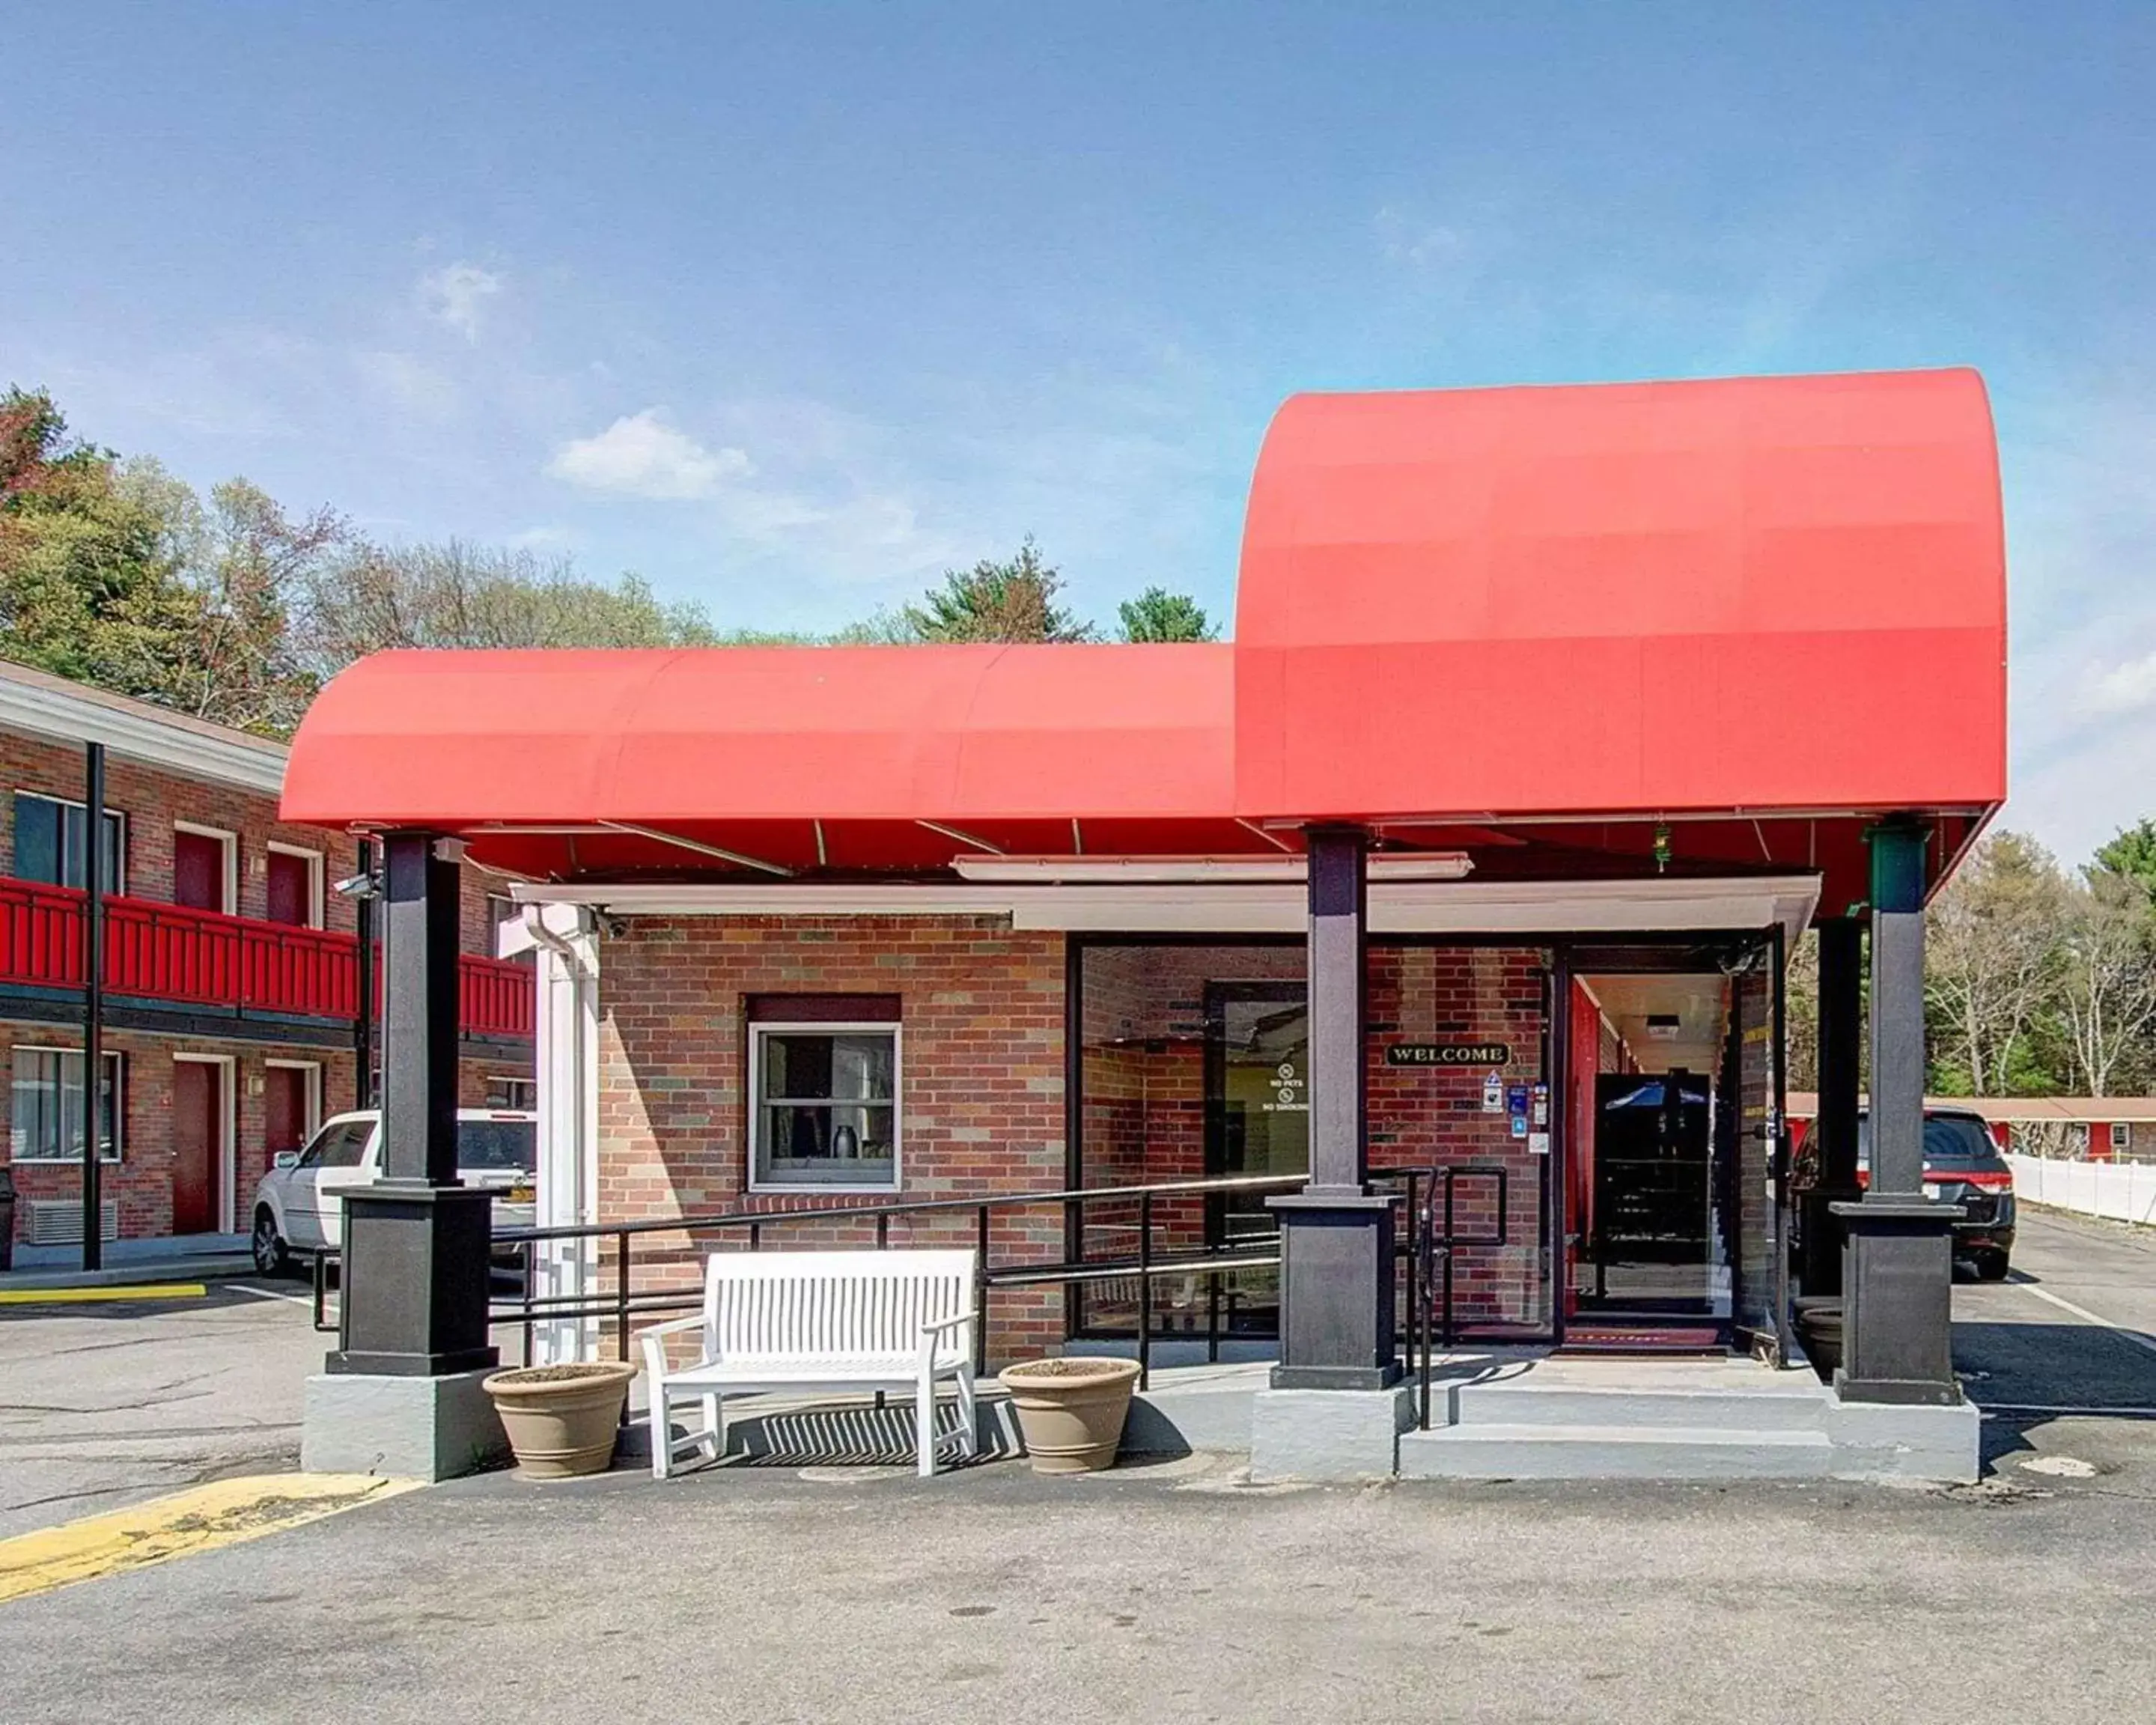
{"x": 2125, "y": 688}
{"x": 454, "y": 294}
{"x": 640, "y": 455}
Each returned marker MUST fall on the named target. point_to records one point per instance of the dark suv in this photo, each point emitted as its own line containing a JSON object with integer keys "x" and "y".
{"x": 1962, "y": 1165}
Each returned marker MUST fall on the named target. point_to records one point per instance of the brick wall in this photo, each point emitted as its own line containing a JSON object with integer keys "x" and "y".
{"x": 153, "y": 800}
{"x": 141, "y": 1181}
{"x": 1753, "y": 1007}
{"x": 981, "y": 1087}
{"x": 1425, "y": 1116}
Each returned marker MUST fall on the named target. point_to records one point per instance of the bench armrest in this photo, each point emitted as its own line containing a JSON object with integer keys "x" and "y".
{"x": 930, "y": 1331}
{"x": 946, "y": 1323}
{"x": 654, "y": 1351}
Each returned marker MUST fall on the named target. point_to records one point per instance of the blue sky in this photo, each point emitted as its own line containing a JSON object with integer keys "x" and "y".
{"x": 788, "y": 307}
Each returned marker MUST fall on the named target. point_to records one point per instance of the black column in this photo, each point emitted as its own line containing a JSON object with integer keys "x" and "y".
{"x": 1336, "y": 1315}
{"x": 416, "y": 1244}
{"x": 94, "y": 1109}
{"x": 1897, "y": 1267}
{"x": 1841, "y": 1030}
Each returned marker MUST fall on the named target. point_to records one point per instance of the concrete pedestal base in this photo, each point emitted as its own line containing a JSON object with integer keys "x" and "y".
{"x": 1328, "y": 1434}
{"x": 402, "y": 1428}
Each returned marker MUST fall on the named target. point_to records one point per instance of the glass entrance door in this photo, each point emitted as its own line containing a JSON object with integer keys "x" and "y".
{"x": 1257, "y": 1122}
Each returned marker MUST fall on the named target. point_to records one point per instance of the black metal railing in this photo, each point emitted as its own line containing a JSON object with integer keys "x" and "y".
{"x": 1426, "y": 1255}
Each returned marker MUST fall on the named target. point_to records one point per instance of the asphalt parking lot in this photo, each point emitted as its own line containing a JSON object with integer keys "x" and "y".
{"x": 1173, "y": 1592}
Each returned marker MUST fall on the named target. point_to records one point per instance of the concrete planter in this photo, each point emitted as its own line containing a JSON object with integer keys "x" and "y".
{"x": 1071, "y": 1412}
{"x": 561, "y": 1421}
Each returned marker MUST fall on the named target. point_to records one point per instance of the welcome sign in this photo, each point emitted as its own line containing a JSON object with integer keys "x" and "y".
{"x": 1447, "y": 1053}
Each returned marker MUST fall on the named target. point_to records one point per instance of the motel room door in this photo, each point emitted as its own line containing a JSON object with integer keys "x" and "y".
{"x": 198, "y": 1110}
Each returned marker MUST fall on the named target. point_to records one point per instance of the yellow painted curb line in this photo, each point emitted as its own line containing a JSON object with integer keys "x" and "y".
{"x": 224, "y": 1513}
{"x": 136, "y": 1291}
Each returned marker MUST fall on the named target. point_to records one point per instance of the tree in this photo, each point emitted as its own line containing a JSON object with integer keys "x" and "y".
{"x": 2108, "y": 984}
{"x": 1994, "y": 958}
{"x": 1158, "y": 615}
{"x": 88, "y": 584}
{"x": 246, "y": 565}
{"x": 2131, "y": 852}
{"x": 373, "y": 596}
{"x": 1014, "y": 601}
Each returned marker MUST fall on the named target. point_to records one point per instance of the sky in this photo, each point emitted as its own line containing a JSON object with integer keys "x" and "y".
{"x": 787, "y": 308}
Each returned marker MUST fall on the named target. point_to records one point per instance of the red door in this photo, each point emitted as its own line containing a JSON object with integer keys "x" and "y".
{"x": 197, "y": 872}
{"x": 292, "y": 890}
{"x": 198, "y": 1145}
{"x": 285, "y": 1109}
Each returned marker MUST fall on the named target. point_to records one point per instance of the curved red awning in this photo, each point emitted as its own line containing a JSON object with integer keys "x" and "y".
{"x": 1755, "y": 592}
{"x": 1529, "y": 613}
{"x": 744, "y": 748}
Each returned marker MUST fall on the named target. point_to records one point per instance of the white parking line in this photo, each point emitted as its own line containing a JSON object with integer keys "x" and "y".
{"x": 241, "y": 1287}
{"x": 2087, "y": 1317}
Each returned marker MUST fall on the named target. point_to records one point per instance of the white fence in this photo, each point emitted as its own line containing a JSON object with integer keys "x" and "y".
{"x": 2122, "y": 1191}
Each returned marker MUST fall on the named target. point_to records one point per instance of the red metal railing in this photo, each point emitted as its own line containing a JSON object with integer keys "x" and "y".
{"x": 197, "y": 957}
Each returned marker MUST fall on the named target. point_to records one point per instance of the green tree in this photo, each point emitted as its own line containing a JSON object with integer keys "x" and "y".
{"x": 1158, "y": 615}
{"x": 2131, "y": 852}
{"x": 88, "y": 584}
{"x": 1014, "y": 601}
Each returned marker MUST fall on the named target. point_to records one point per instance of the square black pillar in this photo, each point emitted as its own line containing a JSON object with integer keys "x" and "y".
{"x": 1898, "y": 1266}
{"x": 417, "y": 1242}
{"x": 1337, "y": 1318}
{"x": 1834, "y": 1130}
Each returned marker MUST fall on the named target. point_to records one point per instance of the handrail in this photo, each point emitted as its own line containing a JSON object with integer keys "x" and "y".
{"x": 1429, "y": 1196}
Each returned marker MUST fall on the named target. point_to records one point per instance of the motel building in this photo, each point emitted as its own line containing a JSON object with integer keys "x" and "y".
{"x": 1408, "y": 972}
{"x": 226, "y": 1020}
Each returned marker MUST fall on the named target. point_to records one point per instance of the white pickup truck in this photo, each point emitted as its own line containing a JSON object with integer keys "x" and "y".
{"x": 299, "y": 1207}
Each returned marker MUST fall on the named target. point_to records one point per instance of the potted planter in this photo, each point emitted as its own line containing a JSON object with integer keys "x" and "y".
{"x": 561, "y": 1421}
{"x": 1071, "y": 1411}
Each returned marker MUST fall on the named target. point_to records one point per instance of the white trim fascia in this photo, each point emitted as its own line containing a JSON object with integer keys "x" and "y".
{"x": 1166, "y": 871}
{"x": 1659, "y": 905}
{"x": 151, "y": 738}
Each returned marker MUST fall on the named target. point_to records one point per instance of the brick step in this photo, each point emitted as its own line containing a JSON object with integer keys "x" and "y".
{"x": 1612, "y": 1452}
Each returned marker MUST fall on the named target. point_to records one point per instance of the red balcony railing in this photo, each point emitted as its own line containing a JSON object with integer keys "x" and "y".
{"x": 164, "y": 951}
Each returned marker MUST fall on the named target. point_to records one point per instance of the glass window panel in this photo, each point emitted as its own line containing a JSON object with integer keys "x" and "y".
{"x": 45, "y": 1118}
{"x": 38, "y": 839}
{"x": 828, "y": 1112}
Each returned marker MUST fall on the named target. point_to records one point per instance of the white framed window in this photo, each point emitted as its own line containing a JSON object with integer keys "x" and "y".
{"x": 205, "y": 868}
{"x": 293, "y": 891}
{"x": 823, "y": 1106}
{"x": 504, "y": 1091}
{"x": 45, "y": 1106}
{"x": 52, "y": 845}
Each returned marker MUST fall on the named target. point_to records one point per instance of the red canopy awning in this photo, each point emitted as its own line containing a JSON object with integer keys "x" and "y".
{"x": 1537, "y": 624}
{"x": 1756, "y": 593}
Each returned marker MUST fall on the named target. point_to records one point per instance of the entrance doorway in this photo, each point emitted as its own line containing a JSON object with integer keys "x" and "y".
{"x": 1257, "y": 1123}
{"x": 1652, "y": 1197}
{"x": 202, "y": 1144}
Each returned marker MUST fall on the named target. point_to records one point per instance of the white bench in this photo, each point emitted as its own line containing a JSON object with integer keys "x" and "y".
{"x": 819, "y": 1321}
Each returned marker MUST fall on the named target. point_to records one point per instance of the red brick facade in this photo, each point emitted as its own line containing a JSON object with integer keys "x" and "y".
{"x": 982, "y": 1094}
{"x": 151, "y": 800}
{"x": 982, "y": 1101}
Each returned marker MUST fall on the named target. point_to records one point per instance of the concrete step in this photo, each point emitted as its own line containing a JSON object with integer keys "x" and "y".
{"x": 1612, "y": 1452}
{"x": 1756, "y": 1410}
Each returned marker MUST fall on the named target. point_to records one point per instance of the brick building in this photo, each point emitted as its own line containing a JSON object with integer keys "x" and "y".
{"x": 231, "y": 969}
{"x": 1551, "y": 718}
